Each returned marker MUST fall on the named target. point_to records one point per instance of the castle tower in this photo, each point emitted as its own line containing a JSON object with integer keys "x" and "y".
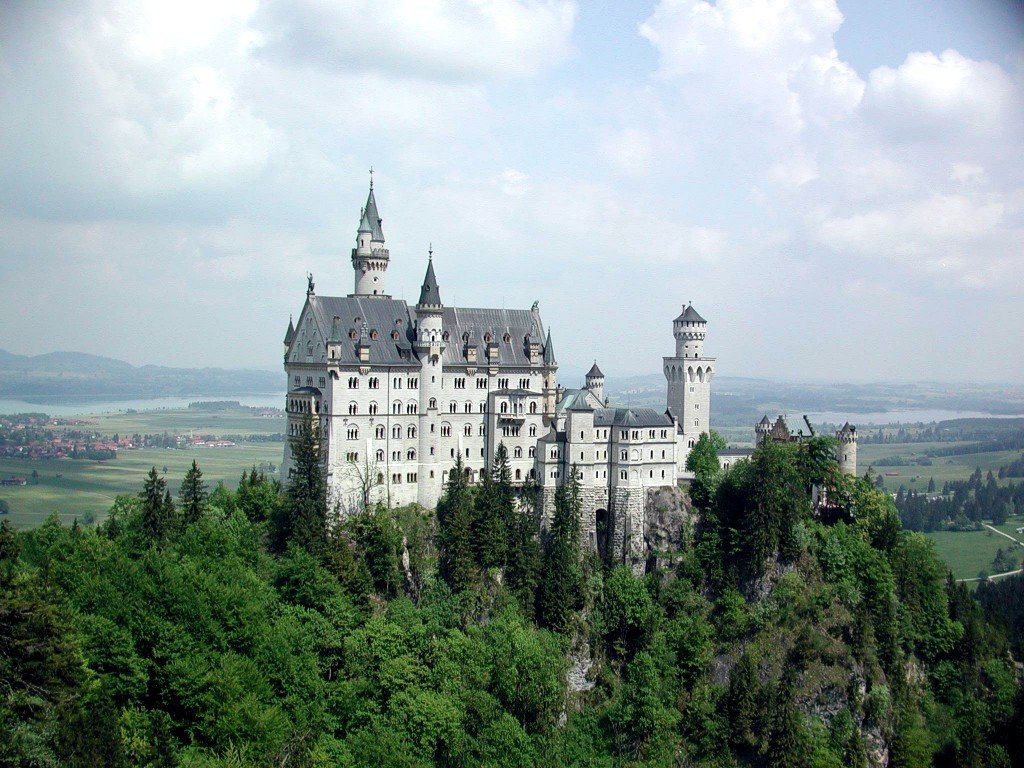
{"x": 689, "y": 375}
{"x": 550, "y": 390}
{"x": 370, "y": 258}
{"x": 595, "y": 381}
{"x": 430, "y": 347}
{"x": 846, "y": 451}
{"x": 762, "y": 430}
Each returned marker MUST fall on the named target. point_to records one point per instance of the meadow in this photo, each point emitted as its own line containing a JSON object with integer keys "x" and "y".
{"x": 78, "y": 488}
{"x": 943, "y": 468}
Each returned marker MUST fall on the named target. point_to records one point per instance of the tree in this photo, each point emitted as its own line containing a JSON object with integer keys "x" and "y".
{"x": 158, "y": 516}
{"x": 493, "y": 512}
{"x": 703, "y": 462}
{"x": 524, "y": 554}
{"x": 303, "y": 517}
{"x": 192, "y": 495}
{"x": 931, "y": 485}
{"x": 743, "y": 701}
{"x": 455, "y": 514}
{"x": 561, "y": 590}
{"x": 367, "y": 475}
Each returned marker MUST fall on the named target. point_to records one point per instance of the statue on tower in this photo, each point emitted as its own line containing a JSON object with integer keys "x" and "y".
{"x": 309, "y": 282}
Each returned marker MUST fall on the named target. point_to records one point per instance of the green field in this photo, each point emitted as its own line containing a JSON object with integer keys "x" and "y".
{"x": 967, "y": 553}
{"x": 72, "y": 487}
{"x": 943, "y": 468}
{"x": 186, "y": 420}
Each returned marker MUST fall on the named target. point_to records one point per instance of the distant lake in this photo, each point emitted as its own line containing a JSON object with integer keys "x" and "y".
{"x": 57, "y": 406}
{"x": 907, "y": 416}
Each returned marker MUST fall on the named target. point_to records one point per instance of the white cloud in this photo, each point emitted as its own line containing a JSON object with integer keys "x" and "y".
{"x": 461, "y": 39}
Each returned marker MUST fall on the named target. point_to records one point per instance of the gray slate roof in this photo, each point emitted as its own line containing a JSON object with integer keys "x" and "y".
{"x": 549, "y": 350}
{"x": 517, "y": 323}
{"x": 594, "y": 372}
{"x": 371, "y": 216}
{"x": 430, "y": 296}
{"x": 380, "y": 314}
{"x": 690, "y": 315}
{"x": 290, "y": 333}
{"x": 630, "y": 417}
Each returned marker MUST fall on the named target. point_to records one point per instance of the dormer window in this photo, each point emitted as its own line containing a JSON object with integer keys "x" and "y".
{"x": 374, "y": 335}
{"x": 507, "y": 339}
{"x": 352, "y": 333}
{"x": 394, "y": 335}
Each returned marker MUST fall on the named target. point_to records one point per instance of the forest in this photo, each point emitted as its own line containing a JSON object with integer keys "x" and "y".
{"x": 252, "y": 628}
{"x": 963, "y": 503}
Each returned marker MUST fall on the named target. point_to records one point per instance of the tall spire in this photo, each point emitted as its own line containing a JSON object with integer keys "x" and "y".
{"x": 549, "y": 350}
{"x": 430, "y": 295}
{"x": 371, "y": 219}
{"x": 290, "y": 333}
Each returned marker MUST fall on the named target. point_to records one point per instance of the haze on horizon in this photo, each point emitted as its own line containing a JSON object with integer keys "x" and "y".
{"x": 837, "y": 186}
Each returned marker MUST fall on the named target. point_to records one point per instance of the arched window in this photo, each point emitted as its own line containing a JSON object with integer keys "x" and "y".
{"x": 504, "y": 407}
{"x": 353, "y": 433}
{"x": 453, "y": 407}
{"x": 380, "y": 454}
{"x": 468, "y": 430}
{"x": 519, "y": 474}
{"x": 446, "y": 430}
{"x": 410, "y": 454}
{"x": 411, "y": 407}
{"x": 373, "y": 409}
{"x": 396, "y": 407}
{"x": 467, "y": 407}
{"x": 380, "y": 432}
{"x": 533, "y": 452}
{"x": 518, "y": 452}
{"x": 483, "y": 407}
{"x": 353, "y": 409}
{"x": 433, "y": 403}
{"x": 396, "y": 432}
{"x": 483, "y": 430}
{"x": 410, "y": 432}
{"x": 533, "y": 430}
{"x": 533, "y": 407}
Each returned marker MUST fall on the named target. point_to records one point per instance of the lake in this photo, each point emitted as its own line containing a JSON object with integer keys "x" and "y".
{"x": 905, "y": 416}
{"x": 83, "y": 406}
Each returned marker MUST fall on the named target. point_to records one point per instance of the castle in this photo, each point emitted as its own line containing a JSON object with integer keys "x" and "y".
{"x": 397, "y": 391}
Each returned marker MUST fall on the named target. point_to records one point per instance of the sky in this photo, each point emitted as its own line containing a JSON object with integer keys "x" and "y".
{"x": 837, "y": 186}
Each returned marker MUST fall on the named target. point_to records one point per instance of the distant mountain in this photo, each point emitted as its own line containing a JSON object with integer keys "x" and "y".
{"x": 78, "y": 375}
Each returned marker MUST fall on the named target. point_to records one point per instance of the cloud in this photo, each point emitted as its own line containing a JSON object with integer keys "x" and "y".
{"x": 461, "y": 39}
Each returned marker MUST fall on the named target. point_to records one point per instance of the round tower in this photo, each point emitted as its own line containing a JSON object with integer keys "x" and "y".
{"x": 429, "y": 344}
{"x": 846, "y": 450}
{"x": 370, "y": 258}
{"x": 689, "y": 329}
{"x": 595, "y": 381}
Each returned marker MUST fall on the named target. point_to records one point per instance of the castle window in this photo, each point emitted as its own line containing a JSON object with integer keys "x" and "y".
{"x": 624, "y": 435}
{"x": 444, "y": 336}
{"x": 352, "y": 433}
{"x": 396, "y": 455}
{"x": 460, "y": 382}
{"x": 298, "y": 381}
{"x": 696, "y": 406}
{"x": 396, "y": 407}
{"x": 690, "y": 444}
{"x": 352, "y": 333}
{"x": 581, "y": 434}
{"x": 414, "y": 383}
{"x": 380, "y": 432}
{"x": 663, "y": 454}
{"x": 533, "y": 430}
{"x": 323, "y": 382}
{"x": 411, "y": 407}
{"x": 396, "y": 432}
{"x": 696, "y": 422}
{"x": 504, "y": 407}
{"x": 446, "y": 430}
{"x": 468, "y": 430}
{"x": 410, "y": 454}
{"x": 663, "y": 472}
{"x": 636, "y": 434}
{"x": 410, "y": 432}
{"x": 533, "y": 407}
{"x": 352, "y": 456}
{"x": 374, "y": 383}
{"x": 519, "y": 474}
{"x": 622, "y": 474}
{"x": 467, "y": 407}
{"x": 373, "y": 408}
{"x": 483, "y": 430}
{"x": 453, "y": 407}
{"x": 532, "y": 452}
{"x": 650, "y": 474}
{"x": 518, "y": 452}
{"x": 373, "y": 334}
{"x": 394, "y": 335}
{"x": 664, "y": 434}
{"x": 432, "y": 404}
{"x": 506, "y": 338}
{"x": 502, "y": 383}
{"x": 623, "y": 455}
{"x": 483, "y": 406}
{"x": 396, "y": 383}
{"x": 481, "y": 383}
{"x": 650, "y": 434}
{"x": 353, "y": 409}
{"x": 411, "y": 477}
{"x": 380, "y": 454}
{"x": 309, "y": 381}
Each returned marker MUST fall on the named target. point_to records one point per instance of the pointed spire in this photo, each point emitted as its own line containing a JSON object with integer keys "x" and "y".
{"x": 595, "y": 372}
{"x": 290, "y": 333}
{"x": 549, "y": 350}
{"x": 335, "y": 331}
{"x": 371, "y": 219}
{"x": 430, "y": 295}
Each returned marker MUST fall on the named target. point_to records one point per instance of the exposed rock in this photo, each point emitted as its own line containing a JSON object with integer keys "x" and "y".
{"x": 669, "y": 519}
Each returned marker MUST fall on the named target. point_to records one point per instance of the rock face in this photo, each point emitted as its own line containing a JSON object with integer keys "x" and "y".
{"x": 669, "y": 520}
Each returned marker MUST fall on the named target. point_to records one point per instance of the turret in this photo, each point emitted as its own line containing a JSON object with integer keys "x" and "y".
{"x": 595, "y": 381}
{"x": 550, "y": 389}
{"x": 761, "y": 430}
{"x": 846, "y": 450}
{"x": 289, "y": 335}
{"x": 689, "y": 329}
{"x": 430, "y": 346}
{"x": 370, "y": 258}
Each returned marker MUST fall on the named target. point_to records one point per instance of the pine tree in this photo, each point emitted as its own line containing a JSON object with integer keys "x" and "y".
{"x": 157, "y": 508}
{"x": 524, "y": 556}
{"x": 561, "y": 589}
{"x": 742, "y": 702}
{"x": 788, "y": 745}
{"x": 303, "y": 518}
{"x": 192, "y": 495}
{"x": 455, "y": 515}
{"x": 493, "y": 512}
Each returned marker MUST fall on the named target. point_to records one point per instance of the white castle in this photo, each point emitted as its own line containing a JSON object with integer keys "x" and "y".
{"x": 398, "y": 391}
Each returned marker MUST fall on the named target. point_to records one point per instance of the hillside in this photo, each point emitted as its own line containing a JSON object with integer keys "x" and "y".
{"x": 236, "y": 629}
{"x": 76, "y": 375}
